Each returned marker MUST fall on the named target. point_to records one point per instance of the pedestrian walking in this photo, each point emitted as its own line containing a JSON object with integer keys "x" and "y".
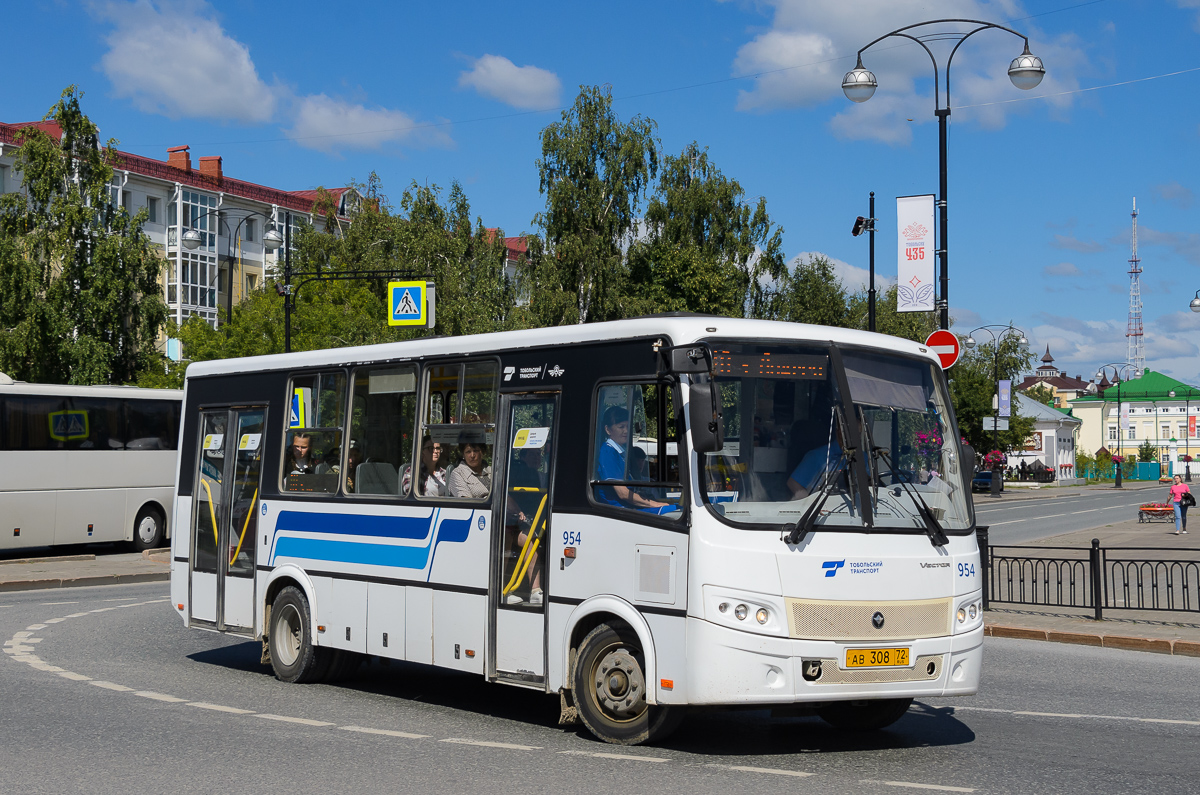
{"x": 1181, "y": 500}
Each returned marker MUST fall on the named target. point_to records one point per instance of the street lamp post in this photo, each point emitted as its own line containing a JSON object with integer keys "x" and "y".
{"x": 997, "y": 339}
{"x": 1118, "y": 369}
{"x": 271, "y": 240}
{"x": 868, "y": 224}
{"x": 1026, "y": 71}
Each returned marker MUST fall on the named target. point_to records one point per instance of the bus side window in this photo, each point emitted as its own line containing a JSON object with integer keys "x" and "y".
{"x": 636, "y": 441}
{"x": 312, "y": 455}
{"x": 34, "y": 423}
{"x": 94, "y": 424}
{"x": 383, "y": 413}
{"x": 459, "y": 420}
{"x": 152, "y": 424}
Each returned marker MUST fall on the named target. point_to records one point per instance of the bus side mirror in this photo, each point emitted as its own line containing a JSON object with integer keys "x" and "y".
{"x": 691, "y": 360}
{"x": 704, "y": 413}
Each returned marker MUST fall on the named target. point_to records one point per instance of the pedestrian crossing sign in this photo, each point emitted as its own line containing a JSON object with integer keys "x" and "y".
{"x": 407, "y": 303}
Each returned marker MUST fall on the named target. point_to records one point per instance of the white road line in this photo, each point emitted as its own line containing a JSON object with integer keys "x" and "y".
{"x": 1014, "y": 521}
{"x": 76, "y": 615}
{"x": 111, "y": 686}
{"x": 122, "y": 599}
{"x": 47, "y": 667}
{"x": 915, "y": 785}
{"x": 385, "y": 732}
{"x": 1051, "y": 516}
{"x": 774, "y": 771}
{"x": 35, "y": 627}
{"x": 489, "y": 744}
{"x": 602, "y": 755}
{"x": 53, "y": 620}
{"x": 51, "y": 604}
{"x": 220, "y": 708}
{"x": 1090, "y": 510}
{"x": 1083, "y": 716}
{"x": 160, "y": 697}
{"x": 102, "y": 610}
{"x": 288, "y": 719}
{"x": 74, "y": 676}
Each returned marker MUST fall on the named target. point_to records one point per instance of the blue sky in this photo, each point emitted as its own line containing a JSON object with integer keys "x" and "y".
{"x": 1040, "y": 188}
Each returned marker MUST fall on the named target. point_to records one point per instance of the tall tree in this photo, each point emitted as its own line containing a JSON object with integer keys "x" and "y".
{"x": 811, "y": 292}
{"x": 915, "y": 326}
{"x": 80, "y": 300}
{"x": 973, "y": 385}
{"x": 707, "y": 248}
{"x": 594, "y": 170}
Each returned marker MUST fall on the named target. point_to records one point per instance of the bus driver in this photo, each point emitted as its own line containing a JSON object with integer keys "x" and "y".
{"x": 611, "y": 466}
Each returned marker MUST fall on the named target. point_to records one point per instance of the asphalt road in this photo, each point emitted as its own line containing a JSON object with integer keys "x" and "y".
{"x": 1018, "y": 521}
{"x": 103, "y": 690}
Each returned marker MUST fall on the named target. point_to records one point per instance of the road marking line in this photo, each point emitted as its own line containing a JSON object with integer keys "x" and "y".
{"x": 489, "y": 744}
{"x": 1090, "y": 510}
{"x": 385, "y": 732}
{"x": 774, "y": 771}
{"x": 76, "y": 615}
{"x": 288, "y": 719}
{"x": 22, "y": 635}
{"x": 54, "y": 620}
{"x": 102, "y": 610}
{"x": 1051, "y": 714}
{"x": 602, "y": 755}
{"x": 42, "y": 666}
{"x": 35, "y": 627}
{"x": 122, "y": 599}
{"x": 914, "y": 785}
{"x": 74, "y": 676}
{"x": 32, "y": 640}
{"x": 160, "y": 696}
{"x": 1051, "y": 516}
{"x": 1027, "y": 713}
{"x": 18, "y": 651}
{"x": 1014, "y": 521}
{"x": 220, "y": 708}
{"x": 112, "y": 686}
{"x": 51, "y": 604}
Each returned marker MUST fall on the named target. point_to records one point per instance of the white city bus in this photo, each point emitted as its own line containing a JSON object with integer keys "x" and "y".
{"x": 790, "y": 526}
{"x": 86, "y": 464}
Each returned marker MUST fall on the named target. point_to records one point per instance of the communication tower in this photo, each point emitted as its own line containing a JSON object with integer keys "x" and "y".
{"x": 1136, "y": 354}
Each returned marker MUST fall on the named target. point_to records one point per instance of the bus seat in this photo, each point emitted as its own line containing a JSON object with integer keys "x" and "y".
{"x": 377, "y": 477}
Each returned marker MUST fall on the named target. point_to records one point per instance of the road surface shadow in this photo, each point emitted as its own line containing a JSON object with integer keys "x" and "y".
{"x": 706, "y": 731}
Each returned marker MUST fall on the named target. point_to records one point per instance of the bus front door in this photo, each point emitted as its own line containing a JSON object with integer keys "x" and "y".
{"x": 521, "y": 529}
{"x": 225, "y": 518}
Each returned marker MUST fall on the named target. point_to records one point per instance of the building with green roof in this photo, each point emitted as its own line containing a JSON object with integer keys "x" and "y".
{"x": 1125, "y": 415}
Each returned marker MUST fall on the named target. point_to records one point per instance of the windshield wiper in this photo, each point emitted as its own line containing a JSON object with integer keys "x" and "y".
{"x": 802, "y": 528}
{"x": 937, "y": 536}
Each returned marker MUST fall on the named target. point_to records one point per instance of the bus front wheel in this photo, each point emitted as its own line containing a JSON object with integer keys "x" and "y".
{"x": 865, "y": 715}
{"x": 610, "y": 689}
{"x": 148, "y": 529}
{"x": 294, "y": 658}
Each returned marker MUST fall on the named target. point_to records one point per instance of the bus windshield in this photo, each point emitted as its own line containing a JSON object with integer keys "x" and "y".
{"x": 786, "y": 448}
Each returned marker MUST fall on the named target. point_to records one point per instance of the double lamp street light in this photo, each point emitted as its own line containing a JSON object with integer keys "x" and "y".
{"x": 1026, "y": 71}
{"x": 1119, "y": 369}
{"x": 1010, "y": 332}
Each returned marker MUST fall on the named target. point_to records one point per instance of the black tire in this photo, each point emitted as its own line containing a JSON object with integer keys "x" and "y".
{"x": 865, "y": 716}
{"x": 294, "y": 658}
{"x": 149, "y": 528}
{"x": 609, "y": 689}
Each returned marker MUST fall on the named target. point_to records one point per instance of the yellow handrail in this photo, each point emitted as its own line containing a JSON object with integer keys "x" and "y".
{"x": 517, "y": 571}
{"x": 213, "y": 513}
{"x": 242, "y": 537}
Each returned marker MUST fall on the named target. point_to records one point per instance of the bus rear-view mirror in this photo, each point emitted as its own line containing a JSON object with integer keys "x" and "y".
{"x": 704, "y": 413}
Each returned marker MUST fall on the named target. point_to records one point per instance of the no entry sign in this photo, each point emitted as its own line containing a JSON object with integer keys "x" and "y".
{"x": 946, "y": 346}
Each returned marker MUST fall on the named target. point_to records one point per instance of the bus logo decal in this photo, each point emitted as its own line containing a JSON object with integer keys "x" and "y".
{"x": 832, "y": 566}
{"x": 508, "y": 373}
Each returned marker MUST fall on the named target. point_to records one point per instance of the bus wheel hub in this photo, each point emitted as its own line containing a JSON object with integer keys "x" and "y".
{"x": 620, "y": 687}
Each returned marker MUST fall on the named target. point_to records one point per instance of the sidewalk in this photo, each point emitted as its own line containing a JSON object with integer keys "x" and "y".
{"x": 67, "y": 571}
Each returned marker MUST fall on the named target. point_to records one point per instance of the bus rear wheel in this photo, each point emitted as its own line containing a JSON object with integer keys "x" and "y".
{"x": 610, "y": 689}
{"x": 294, "y": 658}
{"x": 865, "y": 715}
{"x": 148, "y": 529}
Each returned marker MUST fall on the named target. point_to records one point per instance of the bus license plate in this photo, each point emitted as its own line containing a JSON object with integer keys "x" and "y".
{"x": 870, "y": 658}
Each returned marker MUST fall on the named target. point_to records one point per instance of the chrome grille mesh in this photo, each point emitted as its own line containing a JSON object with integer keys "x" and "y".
{"x": 832, "y": 675}
{"x": 817, "y": 619}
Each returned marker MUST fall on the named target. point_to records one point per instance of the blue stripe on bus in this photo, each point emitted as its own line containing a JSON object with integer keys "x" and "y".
{"x": 354, "y": 524}
{"x": 352, "y": 552}
{"x": 453, "y": 531}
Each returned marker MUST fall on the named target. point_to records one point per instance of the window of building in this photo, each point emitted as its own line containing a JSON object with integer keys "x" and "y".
{"x": 1132, "y": 434}
{"x": 637, "y": 442}
{"x": 1112, "y": 433}
{"x": 251, "y": 282}
{"x": 312, "y": 455}
{"x": 127, "y": 200}
{"x": 459, "y": 415}
{"x": 152, "y": 209}
{"x": 1166, "y": 431}
{"x": 383, "y": 414}
{"x": 3, "y": 179}
{"x": 248, "y": 225}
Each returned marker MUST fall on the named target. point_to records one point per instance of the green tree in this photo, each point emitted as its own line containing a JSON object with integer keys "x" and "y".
{"x": 973, "y": 385}
{"x": 915, "y": 326}
{"x": 811, "y": 292}
{"x": 1147, "y": 452}
{"x": 80, "y": 300}
{"x": 594, "y": 170}
{"x": 707, "y": 248}
{"x": 1041, "y": 393}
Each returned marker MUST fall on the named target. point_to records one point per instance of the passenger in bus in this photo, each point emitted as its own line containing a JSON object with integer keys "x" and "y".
{"x": 818, "y": 464}
{"x": 300, "y": 455}
{"x": 353, "y": 458}
{"x": 521, "y": 509}
{"x": 431, "y": 479}
{"x": 611, "y": 466}
{"x": 639, "y": 469}
{"x": 471, "y": 478}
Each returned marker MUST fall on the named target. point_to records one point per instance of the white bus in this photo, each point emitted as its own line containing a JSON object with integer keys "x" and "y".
{"x": 86, "y": 464}
{"x": 792, "y": 526}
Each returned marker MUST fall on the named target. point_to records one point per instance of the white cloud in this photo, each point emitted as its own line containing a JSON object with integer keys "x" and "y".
{"x": 329, "y": 124}
{"x": 852, "y": 277}
{"x": 1062, "y": 269}
{"x": 1175, "y": 193}
{"x": 1193, "y": 4}
{"x": 528, "y": 87}
{"x": 174, "y": 58}
{"x": 1075, "y": 244}
{"x": 800, "y": 59}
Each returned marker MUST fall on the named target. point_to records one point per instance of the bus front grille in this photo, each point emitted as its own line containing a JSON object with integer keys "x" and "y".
{"x": 817, "y": 619}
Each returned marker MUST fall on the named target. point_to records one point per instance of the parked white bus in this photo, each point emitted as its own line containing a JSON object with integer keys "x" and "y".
{"x": 86, "y": 464}
{"x": 790, "y": 526}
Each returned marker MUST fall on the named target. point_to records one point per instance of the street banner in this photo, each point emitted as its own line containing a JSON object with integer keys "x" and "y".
{"x": 1191, "y": 427}
{"x": 1005, "y": 392}
{"x": 914, "y": 251}
{"x": 1124, "y": 416}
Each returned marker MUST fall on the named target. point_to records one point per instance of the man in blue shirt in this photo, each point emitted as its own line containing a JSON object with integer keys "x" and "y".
{"x": 611, "y": 466}
{"x": 814, "y": 467}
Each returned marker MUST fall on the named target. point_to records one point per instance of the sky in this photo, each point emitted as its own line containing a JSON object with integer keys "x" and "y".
{"x": 1041, "y": 182}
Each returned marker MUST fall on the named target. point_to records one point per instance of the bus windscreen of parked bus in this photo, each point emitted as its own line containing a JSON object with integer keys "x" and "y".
{"x": 785, "y": 419}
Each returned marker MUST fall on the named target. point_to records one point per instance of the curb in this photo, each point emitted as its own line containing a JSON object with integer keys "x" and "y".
{"x": 1185, "y": 648}
{"x": 78, "y": 582}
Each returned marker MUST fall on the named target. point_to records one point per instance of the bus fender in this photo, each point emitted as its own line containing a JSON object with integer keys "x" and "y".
{"x": 625, "y": 611}
{"x": 291, "y": 572}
